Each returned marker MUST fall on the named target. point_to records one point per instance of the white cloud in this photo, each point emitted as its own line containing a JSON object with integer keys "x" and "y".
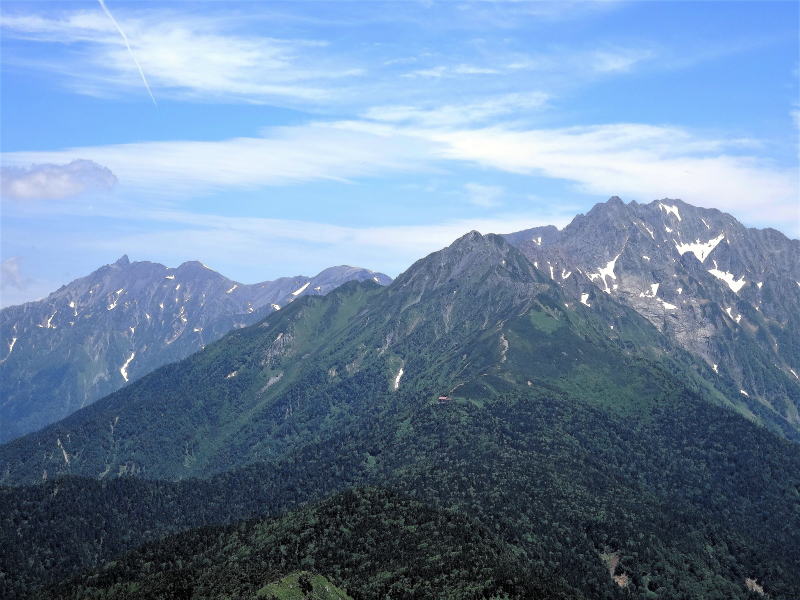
{"x": 558, "y": 63}
{"x": 641, "y": 162}
{"x": 52, "y": 181}
{"x": 434, "y": 72}
{"x": 202, "y": 58}
{"x": 183, "y": 55}
{"x": 463, "y": 113}
{"x": 637, "y": 161}
{"x": 487, "y": 196}
{"x": 644, "y": 162}
{"x": 474, "y": 70}
{"x": 285, "y": 155}
{"x": 618, "y": 61}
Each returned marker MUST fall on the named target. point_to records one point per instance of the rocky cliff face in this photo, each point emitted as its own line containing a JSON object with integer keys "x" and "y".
{"x": 94, "y": 335}
{"x": 726, "y": 293}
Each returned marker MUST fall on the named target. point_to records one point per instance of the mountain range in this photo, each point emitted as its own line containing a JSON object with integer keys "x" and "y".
{"x": 98, "y": 333}
{"x": 599, "y": 412}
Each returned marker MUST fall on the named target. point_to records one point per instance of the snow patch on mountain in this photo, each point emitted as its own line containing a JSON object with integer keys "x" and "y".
{"x": 729, "y": 278}
{"x": 670, "y": 209}
{"x": 302, "y": 289}
{"x": 396, "y": 383}
{"x": 49, "y": 323}
{"x": 607, "y": 271}
{"x": 117, "y": 295}
{"x": 652, "y": 293}
{"x": 123, "y": 370}
{"x": 700, "y": 249}
{"x": 10, "y": 349}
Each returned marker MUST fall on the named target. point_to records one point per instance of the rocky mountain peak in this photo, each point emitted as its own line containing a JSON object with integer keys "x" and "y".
{"x": 195, "y": 267}
{"x": 472, "y": 259}
{"x": 715, "y": 287}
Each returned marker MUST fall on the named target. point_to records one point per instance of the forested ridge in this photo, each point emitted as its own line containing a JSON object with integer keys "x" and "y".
{"x": 558, "y": 487}
{"x": 373, "y": 542}
{"x": 592, "y": 462}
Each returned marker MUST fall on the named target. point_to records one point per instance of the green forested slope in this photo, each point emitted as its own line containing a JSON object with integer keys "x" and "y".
{"x": 374, "y": 543}
{"x": 689, "y": 506}
{"x": 569, "y": 440}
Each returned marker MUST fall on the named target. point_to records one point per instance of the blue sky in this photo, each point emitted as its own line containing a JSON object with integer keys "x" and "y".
{"x": 285, "y": 137}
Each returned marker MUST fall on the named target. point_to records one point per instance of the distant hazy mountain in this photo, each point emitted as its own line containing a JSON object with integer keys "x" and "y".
{"x": 94, "y": 335}
{"x": 726, "y": 293}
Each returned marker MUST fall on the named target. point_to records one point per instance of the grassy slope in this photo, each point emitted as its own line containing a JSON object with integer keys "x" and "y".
{"x": 289, "y": 588}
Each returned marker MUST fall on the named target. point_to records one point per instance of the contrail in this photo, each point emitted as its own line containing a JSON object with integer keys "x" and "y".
{"x": 130, "y": 50}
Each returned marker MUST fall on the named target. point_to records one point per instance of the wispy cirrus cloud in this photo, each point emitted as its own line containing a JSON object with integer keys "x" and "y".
{"x": 628, "y": 159}
{"x": 618, "y": 60}
{"x": 638, "y": 161}
{"x": 191, "y": 56}
{"x": 556, "y": 67}
{"x": 185, "y": 56}
{"x": 43, "y": 181}
{"x": 463, "y": 113}
{"x": 284, "y": 155}
{"x": 440, "y": 71}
